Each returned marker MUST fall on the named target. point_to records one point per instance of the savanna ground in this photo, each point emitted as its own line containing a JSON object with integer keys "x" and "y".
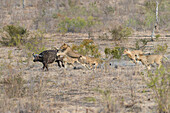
{"x": 25, "y": 88}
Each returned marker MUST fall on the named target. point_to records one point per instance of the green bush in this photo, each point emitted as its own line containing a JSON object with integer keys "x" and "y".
{"x": 14, "y": 31}
{"x": 87, "y": 47}
{"x": 161, "y": 49}
{"x": 120, "y": 33}
{"x": 141, "y": 44}
{"x": 116, "y": 52}
{"x": 157, "y": 36}
{"x": 77, "y": 24}
{"x": 16, "y": 35}
{"x": 159, "y": 83}
{"x": 71, "y": 24}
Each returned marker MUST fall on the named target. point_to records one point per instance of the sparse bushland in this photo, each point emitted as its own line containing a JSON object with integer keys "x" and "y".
{"x": 161, "y": 49}
{"x": 159, "y": 82}
{"x": 23, "y": 39}
{"x": 77, "y": 19}
{"x": 157, "y": 37}
{"x": 87, "y": 48}
{"x": 16, "y": 35}
{"x": 120, "y": 33}
{"x": 141, "y": 44}
{"x": 116, "y": 52}
{"x": 77, "y": 24}
{"x": 104, "y": 36}
{"x": 107, "y": 100}
{"x": 13, "y": 82}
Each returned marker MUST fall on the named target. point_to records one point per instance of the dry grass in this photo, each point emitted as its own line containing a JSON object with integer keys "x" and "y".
{"x": 78, "y": 90}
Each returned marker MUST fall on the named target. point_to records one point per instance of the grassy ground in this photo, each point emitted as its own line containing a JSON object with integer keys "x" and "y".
{"x": 24, "y": 87}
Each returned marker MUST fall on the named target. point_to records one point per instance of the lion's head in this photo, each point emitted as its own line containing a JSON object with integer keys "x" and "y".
{"x": 64, "y": 47}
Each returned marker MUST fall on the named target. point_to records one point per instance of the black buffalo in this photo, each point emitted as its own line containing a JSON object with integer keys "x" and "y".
{"x": 47, "y": 57}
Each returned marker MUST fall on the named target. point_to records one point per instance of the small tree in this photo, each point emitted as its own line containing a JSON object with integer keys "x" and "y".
{"x": 159, "y": 83}
{"x": 87, "y": 47}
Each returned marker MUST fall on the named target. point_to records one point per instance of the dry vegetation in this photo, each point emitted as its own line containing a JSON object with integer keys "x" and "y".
{"x": 91, "y": 27}
{"x": 122, "y": 87}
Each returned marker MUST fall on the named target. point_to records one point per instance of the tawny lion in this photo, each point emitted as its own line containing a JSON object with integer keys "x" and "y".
{"x": 85, "y": 60}
{"x": 131, "y": 54}
{"x": 66, "y": 50}
{"x": 68, "y": 61}
{"x": 69, "y": 56}
{"x": 147, "y": 60}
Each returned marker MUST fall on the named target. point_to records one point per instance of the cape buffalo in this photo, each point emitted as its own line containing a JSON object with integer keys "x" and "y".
{"x": 47, "y": 57}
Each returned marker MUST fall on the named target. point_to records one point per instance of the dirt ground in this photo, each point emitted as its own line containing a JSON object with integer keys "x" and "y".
{"x": 118, "y": 89}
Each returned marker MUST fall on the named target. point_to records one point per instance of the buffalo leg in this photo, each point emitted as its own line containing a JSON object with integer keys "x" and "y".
{"x": 58, "y": 63}
{"x": 46, "y": 65}
{"x": 43, "y": 66}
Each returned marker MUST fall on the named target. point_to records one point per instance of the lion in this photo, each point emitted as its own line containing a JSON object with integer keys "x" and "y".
{"x": 148, "y": 60}
{"x": 67, "y": 60}
{"x": 65, "y": 49}
{"x": 131, "y": 54}
{"x": 85, "y": 60}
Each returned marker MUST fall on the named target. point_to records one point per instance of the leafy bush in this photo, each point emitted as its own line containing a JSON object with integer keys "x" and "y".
{"x": 71, "y": 24}
{"x": 77, "y": 24}
{"x": 116, "y": 52}
{"x": 159, "y": 83}
{"x": 14, "y": 31}
{"x": 157, "y": 36}
{"x": 141, "y": 44}
{"x": 16, "y": 35}
{"x": 161, "y": 49}
{"x": 87, "y": 47}
{"x": 120, "y": 33}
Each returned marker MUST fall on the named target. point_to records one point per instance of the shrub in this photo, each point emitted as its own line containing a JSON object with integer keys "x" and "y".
{"x": 141, "y": 44}
{"x": 14, "y": 31}
{"x": 159, "y": 83}
{"x": 77, "y": 24}
{"x": 107, "y": 100}
{"x": 16, "y": 35}
{"x": 116, "y": 52}
{"x": 157, "y": 36}
{"x": 120, "y": 33}
{"x": 13, "y": 83}
{"x": 87, "y": 47}
{"x": 161, "y": 49}
{"x": 71, "y": 24}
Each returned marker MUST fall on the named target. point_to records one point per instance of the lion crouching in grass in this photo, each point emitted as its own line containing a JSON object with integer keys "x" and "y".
{"x": 148, "y": 60}
{"x": 131, "y": 54}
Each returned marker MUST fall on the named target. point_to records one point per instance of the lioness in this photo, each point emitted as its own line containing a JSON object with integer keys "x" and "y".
{"x": 67, "y": 60}
{"x": 147, "y": 60}
{"x": 66, "y": 50}
{"x": 85, "y": 60}
{"x": 131, "y": 54}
